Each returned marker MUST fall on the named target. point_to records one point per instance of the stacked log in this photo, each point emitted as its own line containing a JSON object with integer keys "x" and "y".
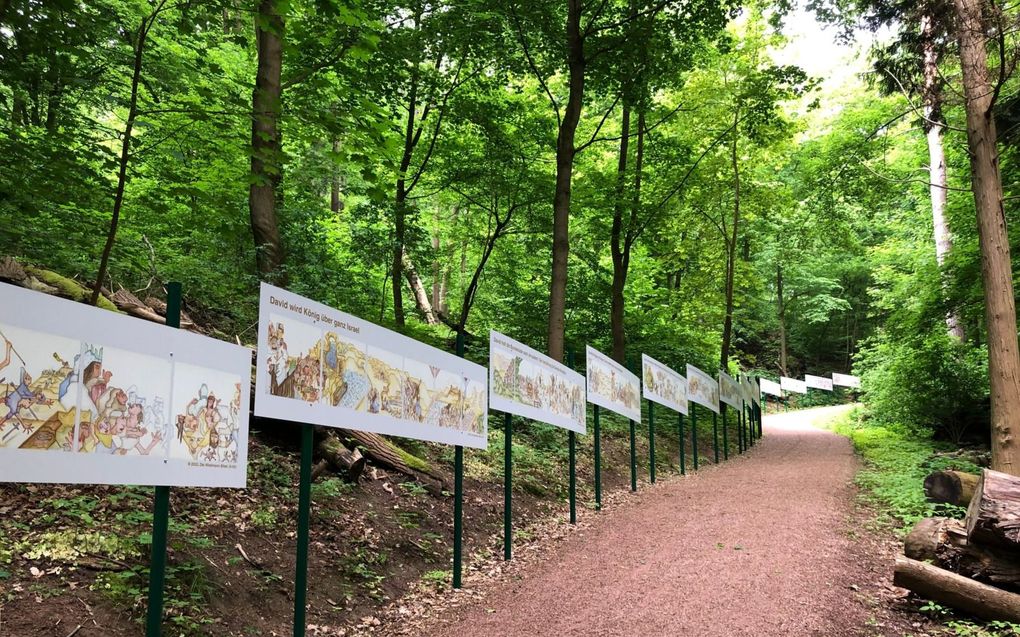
{"x": 975, "y": 562}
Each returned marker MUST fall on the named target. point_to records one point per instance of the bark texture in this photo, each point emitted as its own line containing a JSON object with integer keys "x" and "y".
{"x": 996, "y": 270}
{"x": 951, "y": 487}
{"x": 993, "y": 517}
{"x": 957, "y": 591}
{"x": 267, "y": 154}
{"x": 943, "y": 542}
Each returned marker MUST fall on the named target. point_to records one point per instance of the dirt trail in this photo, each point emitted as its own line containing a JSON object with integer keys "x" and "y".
{"x": 755, "y": 546}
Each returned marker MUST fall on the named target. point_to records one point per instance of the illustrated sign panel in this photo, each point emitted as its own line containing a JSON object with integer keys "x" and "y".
{"x": 846, "y": 380}
{"x": 771, "y": 387}
{"x": 730, "y": 391}
{"x": 95, "y": 397}
{"x": 663, "y": 385}
{"x": 792, "y": 384}
{"x": 527, "y": 383}
{"x": 611, "y": 385}
{"x": 702, "y": 388}
{"x": 319, "y": 365}
{"x": 818, "y": 382}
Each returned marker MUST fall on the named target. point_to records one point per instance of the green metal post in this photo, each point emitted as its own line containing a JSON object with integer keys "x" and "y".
{"x": 741, "y": 434}
{"x": 508, "y": 470}
{"x": 633, "y": 456}
{"x": 161, "y": 506}
{"x": 694, "y": 434}
{"x": 715, "y": 435}
{"x": 304, "y": 508}
{"x": 598, "y": 462}
{"x": 725, "y": 435}
{"x": 572, "y": 446}
{"x": 458, "y": 498}
{"x": 683, "y": 444}
{"x": 651, "y": 441}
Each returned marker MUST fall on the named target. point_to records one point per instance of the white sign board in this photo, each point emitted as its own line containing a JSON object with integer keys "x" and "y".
{"x": 771, "y": 387}
{"x": 702, "y": 388}
{"x": 818, "y": 382}
{"x": 792, "y": 384}
{"x": 95, "y": 397}
{"x": 846, "y": 380}
{"x": 611, "y": 385}
{"x": 730, "y": 391}
{"x": 529, "y": 384}
{"x": 319, "y": 365}
{"x": 662, "y": 385}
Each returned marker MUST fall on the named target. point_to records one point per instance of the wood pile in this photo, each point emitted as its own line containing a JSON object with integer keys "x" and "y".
{"x": 971, "y": 564}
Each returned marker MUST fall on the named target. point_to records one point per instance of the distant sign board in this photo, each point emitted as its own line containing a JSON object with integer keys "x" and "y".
{"x": 702, "y": 388}
{"x": 611, "y": 385}
{"x": 524, "y": 382}
{"x": 846, "y": 380}
{"x": 818, "y": 382}
{"x": 792, "y": 384}
{"x": 771, "y": 387}
{"x": 730, "y": 391}
{"x": 663, "y": 385}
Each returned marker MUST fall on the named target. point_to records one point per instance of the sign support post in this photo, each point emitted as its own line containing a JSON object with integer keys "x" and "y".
{"x": 458, "y": 497}
{"x": 304, "y": 509}
{"x": 633, "y": 456}
{"x": 683, "y": 445}
{"x": 651, "y": 441}
{"x": 694, "y": 434}
{"x": 725, "y": 435}
{"x": 161, "y": 505}
{"x": 598, "y": 462}
{"x": 507, "y": 485}
{"x": 715, "y": 436}
{"x": 572, "y": 446}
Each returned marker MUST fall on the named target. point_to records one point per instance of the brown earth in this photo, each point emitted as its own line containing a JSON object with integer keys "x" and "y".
{"x": 771, "y": 543}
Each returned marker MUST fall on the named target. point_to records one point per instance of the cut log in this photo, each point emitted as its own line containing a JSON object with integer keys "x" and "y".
{"x": 389, "y": 456}
{"x": 131, "y": 304}
{"x": 954, "y": 590}
{"x": 350, "y": 464}
{"x": 950, "y": 487}
{"x": 944, "y": 542}
{"x": 993, "y": 517}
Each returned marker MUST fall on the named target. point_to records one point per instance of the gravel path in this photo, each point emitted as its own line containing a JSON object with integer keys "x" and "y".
{"x": 756, "y": 546}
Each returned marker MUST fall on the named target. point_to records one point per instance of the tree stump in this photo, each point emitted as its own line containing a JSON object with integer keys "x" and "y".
{"x": 944, "y": 542}
{"x": 993, "y": 517}
{"x": 950, "y": 487}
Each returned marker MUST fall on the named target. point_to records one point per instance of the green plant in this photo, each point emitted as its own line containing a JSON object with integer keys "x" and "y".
{"x": 436, "y": 577}
{"x": 331, "y": 488}
{"x": 264, "y": 518}
{"x": 965, "y": 628}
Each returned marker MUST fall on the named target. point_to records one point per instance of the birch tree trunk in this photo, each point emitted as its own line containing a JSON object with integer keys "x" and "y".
{"x": 934, "y": 127}
{"x": 996, "y": 272}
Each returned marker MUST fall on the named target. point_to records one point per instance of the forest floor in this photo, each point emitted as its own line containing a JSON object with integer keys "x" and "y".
{"x": 773, "y": 542}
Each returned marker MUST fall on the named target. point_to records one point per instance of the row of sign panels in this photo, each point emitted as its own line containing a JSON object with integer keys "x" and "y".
{"x": 810, "y": 382}
{"x": 109, "y": 399}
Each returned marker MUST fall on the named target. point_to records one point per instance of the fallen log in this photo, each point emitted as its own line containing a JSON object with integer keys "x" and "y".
{"x": 943, "y": 542}
{"x": 954, "y": 590}
{"x": 350, "y": 464}
{"x": 388, "y": 456}
{"x": 950, "y": 487}
{"x": 993, "y": 517}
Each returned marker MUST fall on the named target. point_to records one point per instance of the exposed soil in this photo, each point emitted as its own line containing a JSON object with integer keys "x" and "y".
{"x": 771, "y": 543}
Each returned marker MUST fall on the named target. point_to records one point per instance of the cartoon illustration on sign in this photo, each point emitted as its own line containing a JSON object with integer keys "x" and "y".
{"x": 206, "y": 416}
{"x": 295, "y": 361}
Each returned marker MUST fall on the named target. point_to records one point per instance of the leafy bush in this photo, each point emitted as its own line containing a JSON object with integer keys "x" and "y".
{"x": 932, "y": 381}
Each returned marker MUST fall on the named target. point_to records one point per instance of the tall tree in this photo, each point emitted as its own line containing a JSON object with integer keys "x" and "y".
{"x": 975, "y": 19}
{"x": 264, "y": 192}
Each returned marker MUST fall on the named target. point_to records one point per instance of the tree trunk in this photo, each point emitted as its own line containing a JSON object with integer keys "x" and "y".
{"x": 957, "y": 591}
{"x": 616, "y": 310}
{"x": 943, "y": 542}
{"x": 993, "y": 517}
{"x": 125, "y": 155}
{"x": 950, "y": 487}
{"x": 934, "y": 127}
{"x": 436, "y": 269}
{"x": 348, "y": 463}
{"x": 996, "y": 269}
{"x": 336, "y": 203}
{"x": 387, "y": 455}
{"x": 781, "y": 316}
{"x": 267, "y": 153}
{"x": 731, "y": 246}
{"x": 421, "y": 295}
{"x": 565, "y": 151}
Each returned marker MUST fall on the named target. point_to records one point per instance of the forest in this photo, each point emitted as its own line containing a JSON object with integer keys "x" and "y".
{"x": 660, "y": 177}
